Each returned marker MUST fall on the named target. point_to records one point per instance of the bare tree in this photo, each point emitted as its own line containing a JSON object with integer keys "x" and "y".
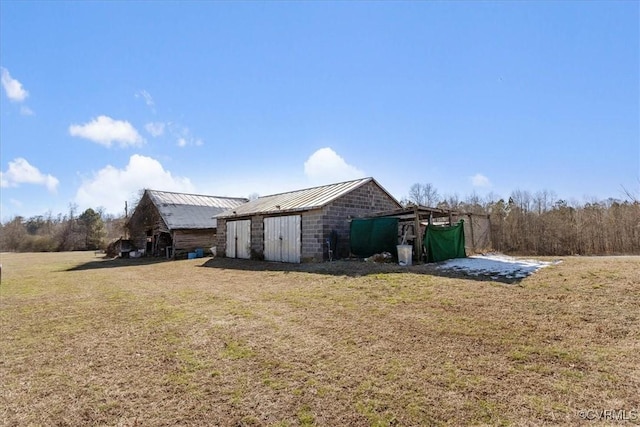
{"x": 633, "y": 196}
{"x": 544, "y": 200}
{"x": 424, "y": 195}
{"x": 521, "y": 199}
{"x": 450, "y": 201}
{"x": 473, "y": 204}
{"x": 13, "y": 234}
{"x": 67, "y": 234}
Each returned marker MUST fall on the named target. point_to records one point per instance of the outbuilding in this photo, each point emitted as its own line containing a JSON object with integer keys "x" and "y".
{"x": 413, "y": 221}
{"x": 300, "y": 226}
{"x": 172, "y": 224}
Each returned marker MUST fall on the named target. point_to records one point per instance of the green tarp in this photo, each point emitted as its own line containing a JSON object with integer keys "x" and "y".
{"x": 373, "y": 236}
{"x": 444, "y": 243}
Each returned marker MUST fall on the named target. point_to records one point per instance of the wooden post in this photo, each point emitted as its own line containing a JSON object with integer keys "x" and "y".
{"x": 473, "y": 239}
{"x": 417, "y": 241}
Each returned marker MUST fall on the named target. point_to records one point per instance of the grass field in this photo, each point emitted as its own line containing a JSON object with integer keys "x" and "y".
{"x": 89, "y": 341}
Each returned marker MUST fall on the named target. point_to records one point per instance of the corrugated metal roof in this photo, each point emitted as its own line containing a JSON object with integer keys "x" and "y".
{"x": 191, "y": 211}
{"x": 300, "y": 200}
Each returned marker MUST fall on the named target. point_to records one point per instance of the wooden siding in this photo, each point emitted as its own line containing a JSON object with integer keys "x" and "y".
{"x": 189, "y": 240}
{"x": 145, "y": 218}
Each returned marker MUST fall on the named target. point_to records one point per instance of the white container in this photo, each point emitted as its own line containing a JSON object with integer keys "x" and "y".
{"x": 404, "y": 254}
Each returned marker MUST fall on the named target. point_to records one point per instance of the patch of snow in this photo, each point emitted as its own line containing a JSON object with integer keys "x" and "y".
{"x": 495, "y": 266}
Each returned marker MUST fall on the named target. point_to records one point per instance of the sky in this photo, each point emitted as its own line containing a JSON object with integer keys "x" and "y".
{"x": 100, "y": 100}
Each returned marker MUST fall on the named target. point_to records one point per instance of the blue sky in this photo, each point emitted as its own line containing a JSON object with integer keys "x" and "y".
{"x": 102, "y": 99}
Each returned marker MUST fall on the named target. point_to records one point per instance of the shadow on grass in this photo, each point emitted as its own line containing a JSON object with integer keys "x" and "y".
{"x": 105, "y": 262}
{"x": 349, "y": 268}
{"x": 344, "y": 267}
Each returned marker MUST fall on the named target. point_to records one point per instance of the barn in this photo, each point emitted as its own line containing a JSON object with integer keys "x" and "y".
{"x": 302, "y": 225}
{"x": 173, "y": 224}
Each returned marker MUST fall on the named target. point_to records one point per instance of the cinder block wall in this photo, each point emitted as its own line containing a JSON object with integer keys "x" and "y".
{"x": 257, "y": 237}
{"x": 317, "y": 224}
{"x": 313, "y": 237}
{"x": 221, "y": 238}
{"x": 363, "y": 201}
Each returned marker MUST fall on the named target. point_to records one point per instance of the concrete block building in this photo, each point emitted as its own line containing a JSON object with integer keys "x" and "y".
{"x": 302, "y": 225}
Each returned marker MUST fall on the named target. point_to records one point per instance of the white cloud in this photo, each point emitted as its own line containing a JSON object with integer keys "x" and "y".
{"x": 105, "y": 130}
{"x": 326, "y": 166}
{"x": 184, "y": 137}
{"x": 12, "y": 87}
{"x": 156, "y": 129}
{"x": 26, "y": 111}
{"x": 184, "y": 141}
{"x": 479, "y": 180}
{"x": 22, "y": 172}
{"x": 147, "y": 97}
{"x": 110, "y": 187}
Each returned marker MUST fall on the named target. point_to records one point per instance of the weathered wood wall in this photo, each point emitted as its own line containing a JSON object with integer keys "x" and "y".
{"x": 145, "y": 217}
{"x": 189, "y": 240}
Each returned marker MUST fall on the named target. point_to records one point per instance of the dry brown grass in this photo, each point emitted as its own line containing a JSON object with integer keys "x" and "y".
{"x": 87, "y": 341}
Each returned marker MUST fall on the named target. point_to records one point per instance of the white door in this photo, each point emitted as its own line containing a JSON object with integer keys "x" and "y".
{"x": 239, "y": 239}
{"x": 282, "y": 238}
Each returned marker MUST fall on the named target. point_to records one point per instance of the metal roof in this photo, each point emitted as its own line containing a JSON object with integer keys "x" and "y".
{"x": 191, "y": 211}
{"x": 300, "y": 200}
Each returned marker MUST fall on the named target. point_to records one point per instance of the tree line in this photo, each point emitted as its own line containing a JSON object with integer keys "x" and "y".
{"x": 89, "y": 230}
{"x": 540, "y": 223}
{"x": 526, "y": 223}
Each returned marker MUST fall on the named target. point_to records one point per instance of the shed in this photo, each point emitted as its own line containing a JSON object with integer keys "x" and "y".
{"x": 414, "y": 219}
{"x": 171, "y": 224}
{"x": 302, "y": 225}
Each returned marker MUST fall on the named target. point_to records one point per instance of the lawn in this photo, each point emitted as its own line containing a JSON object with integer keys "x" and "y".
{"x": 92, "y": 341}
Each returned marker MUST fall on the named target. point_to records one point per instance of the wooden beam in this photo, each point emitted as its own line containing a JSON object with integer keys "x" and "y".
{"x": 417, "y": 242}
{"x": 473, "y": 240}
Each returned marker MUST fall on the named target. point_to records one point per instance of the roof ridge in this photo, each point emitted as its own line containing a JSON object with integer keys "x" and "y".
{"x": 195, "y": 194}
{"x": 317, "y": 186}
{"x": 304, "y": 199}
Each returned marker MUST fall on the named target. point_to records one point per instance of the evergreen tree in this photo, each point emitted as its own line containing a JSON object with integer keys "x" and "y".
{"x": 92, "y": 229}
